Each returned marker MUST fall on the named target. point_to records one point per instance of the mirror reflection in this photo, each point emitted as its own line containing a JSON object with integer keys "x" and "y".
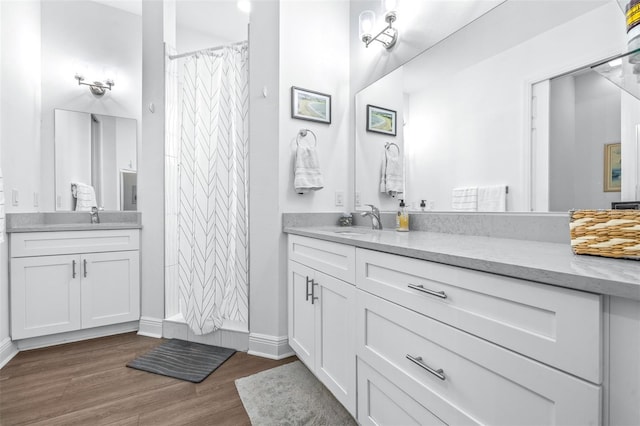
{"x": 95, "y": 161}
{"x": 493, "y": 118}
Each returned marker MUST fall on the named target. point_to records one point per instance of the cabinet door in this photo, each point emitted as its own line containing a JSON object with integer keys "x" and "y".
{"x": 335, "y": 363}
{"x": 45, "y": 295}
{"x": 301, "y": 312}
{"x": 110, "y": 288}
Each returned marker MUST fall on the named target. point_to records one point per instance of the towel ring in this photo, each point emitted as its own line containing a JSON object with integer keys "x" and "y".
{"x": 388, "y": 145}
{"x": 303, "y": 134}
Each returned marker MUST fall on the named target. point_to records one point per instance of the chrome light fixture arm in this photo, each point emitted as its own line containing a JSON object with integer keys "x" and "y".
{"x": 390, "y": 33}
{"x": 98, "y": 88}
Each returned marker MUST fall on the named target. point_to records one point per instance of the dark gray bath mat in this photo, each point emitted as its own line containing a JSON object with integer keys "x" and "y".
{"x": 182, "y": 360}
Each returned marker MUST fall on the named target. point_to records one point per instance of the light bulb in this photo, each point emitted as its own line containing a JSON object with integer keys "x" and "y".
{"x": 389, "y": 5}
{"x": 244, "y": 6}
{"x": 366, "y": 21}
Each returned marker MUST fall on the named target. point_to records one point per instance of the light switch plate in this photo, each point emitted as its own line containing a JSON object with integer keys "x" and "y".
{"x": 358, "y": 199}
{"x": 15, "y": 200}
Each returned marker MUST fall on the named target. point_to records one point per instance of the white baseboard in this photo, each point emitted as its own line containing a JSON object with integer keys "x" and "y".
{"x": 229, "y": 336}
{"x": 7, "y": 351}
{"x": 266, "y": 346}
{"x": 75, "y": 336}
{"x": 150, "y": 327}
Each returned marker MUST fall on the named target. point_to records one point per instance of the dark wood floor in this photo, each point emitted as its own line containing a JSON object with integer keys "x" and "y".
{"x": 87, "y": 383}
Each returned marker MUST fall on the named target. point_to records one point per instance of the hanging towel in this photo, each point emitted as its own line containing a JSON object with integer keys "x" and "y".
{"x": 465, "y": 199}
{"x": 85, "y": 197}
{"x": 391, "y": 173}
{"x": 307, "y": 175}
{"x": 2, "y": 218}
{"x": 492, "y": 198}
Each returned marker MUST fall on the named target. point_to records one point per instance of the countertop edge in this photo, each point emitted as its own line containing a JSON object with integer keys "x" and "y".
{"x": 73, "y": 227}
{"x": 575, "y": 281}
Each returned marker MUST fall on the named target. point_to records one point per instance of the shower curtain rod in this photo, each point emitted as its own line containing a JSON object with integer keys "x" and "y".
{"x": 208, "y": 49}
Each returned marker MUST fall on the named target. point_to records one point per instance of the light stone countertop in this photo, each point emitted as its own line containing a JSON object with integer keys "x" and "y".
{"x": 71, "y": 221}
{"x": 548, "y": 263}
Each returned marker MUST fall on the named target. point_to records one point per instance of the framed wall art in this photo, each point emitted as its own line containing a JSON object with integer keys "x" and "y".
{"x": 310, "y": 105}
{"x": 381, "y": 120}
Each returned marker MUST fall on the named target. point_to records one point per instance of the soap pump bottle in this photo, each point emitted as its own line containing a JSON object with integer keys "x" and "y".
{"x": 403, "y": 218}
{"x": 423, "y": 205}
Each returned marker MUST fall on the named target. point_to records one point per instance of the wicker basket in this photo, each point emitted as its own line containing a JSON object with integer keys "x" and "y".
{"x": 608, "y": 233}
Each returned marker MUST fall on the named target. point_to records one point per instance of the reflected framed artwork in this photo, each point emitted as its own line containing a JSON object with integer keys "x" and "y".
{"x": 381, "y": 120}
{"x": 612, "y": 167}
{"x": 310, "y": 105}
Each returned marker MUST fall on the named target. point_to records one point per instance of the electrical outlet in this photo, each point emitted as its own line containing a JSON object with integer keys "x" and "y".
{"x": 431, "y": 204}
{"x": 58, "y": 201}
{"x": 35, "y": 199}
{"x": 358, "y": 204}
{"x": 15, "y": 200}
{"x": 339, "y": 198}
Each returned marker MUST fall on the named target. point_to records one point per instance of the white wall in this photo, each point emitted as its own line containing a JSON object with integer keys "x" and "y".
{"x": 267, "y": 250}
{"x": 316, "y": 59}
{"x": 71, "y": 38}
{"x": 562, "y": 139}
{"x": 20, "y": 118}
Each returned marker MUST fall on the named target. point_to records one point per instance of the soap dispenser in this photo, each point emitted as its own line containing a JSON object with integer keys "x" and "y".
{"x": 403, "y": 218}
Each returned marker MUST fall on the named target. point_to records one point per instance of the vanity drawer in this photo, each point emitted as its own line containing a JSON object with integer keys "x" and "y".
{"x": 331, "y": 258}
{"x": 557, "y": 326}
{"x": 381, "y": 403}
{"x": 479, "y": 382}
{"x": 70, "y": 242}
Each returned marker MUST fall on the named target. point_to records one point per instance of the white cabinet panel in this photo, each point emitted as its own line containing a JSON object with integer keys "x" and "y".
{"x": 45, "y": 295}
{"x": 110, "y": 291}
{"x": 331, "y": 258}
{"x": 557, "y": 326}
{"x": 301, "y": 313}
{"x": 335, "y": 363}
{"x": 453, "y": 370}
{"x": 66, "y": 288}
{"x": 73, "y": 242}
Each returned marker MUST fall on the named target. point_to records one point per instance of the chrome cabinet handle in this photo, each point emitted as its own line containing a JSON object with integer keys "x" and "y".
{"x": 73, "y": 269}
{"x": 309, "y": 294}
{"x": 85, "y": 268}
{"x": 419, "y": 362}
{"x": 313, "y": 292}
{"x": 421, "y": 288}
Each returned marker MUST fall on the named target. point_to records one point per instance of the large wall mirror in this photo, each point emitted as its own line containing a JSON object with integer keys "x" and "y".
{"x": 495, "y": 105}
{"x": 99, "y": 151}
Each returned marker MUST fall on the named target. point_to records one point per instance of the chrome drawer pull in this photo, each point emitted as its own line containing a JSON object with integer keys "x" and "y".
{"x": 85, "y": 268}
{"x": 308, "y": 294}
{"x": 313, "y": 292}
{"x": 73, "y": 269}
{"x": 421, "y": 288}
{"x": 418, "y": 361}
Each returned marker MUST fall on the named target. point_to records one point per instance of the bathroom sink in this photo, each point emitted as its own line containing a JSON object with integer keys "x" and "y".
{"x": 347, "y": 232}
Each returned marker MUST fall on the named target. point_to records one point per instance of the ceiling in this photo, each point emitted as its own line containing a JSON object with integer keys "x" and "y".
{"x": 218, "y": 19}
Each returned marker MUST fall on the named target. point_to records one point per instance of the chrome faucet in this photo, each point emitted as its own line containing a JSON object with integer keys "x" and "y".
{"x": 376, "y": 223}
{"x": 94, "y": 215}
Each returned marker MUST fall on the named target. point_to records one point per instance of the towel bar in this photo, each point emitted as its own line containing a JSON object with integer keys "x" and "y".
{"x": 303, "y": 134}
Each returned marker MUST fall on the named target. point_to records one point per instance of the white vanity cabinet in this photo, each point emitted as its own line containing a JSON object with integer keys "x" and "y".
{"x": 321, "y": 300}
{"x": 72, "y": 280}
{"x": 468, "y": 347}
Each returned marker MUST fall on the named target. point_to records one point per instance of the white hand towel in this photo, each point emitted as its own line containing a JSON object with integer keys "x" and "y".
{"x": 465, "y": 199}
{"x": 492, "y": 198}
{"x": 307, "y": 175}
{"x": 85, "y": 197}
{"x": 391, "y": 173}
{"x": 2, "y": 218}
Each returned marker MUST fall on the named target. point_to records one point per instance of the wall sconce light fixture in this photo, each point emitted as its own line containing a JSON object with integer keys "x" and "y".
{"x": 98, "y": 88}
{"x": 389, "y": 35}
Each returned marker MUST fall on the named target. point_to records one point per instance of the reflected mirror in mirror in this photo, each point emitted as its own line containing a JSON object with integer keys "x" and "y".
{"x": 98, "y": 151}
{"x": 464, "y": 112}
